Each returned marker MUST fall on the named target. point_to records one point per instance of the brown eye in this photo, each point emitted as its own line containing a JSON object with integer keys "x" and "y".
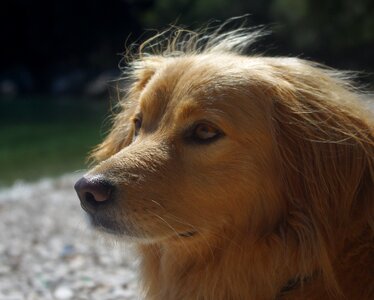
{"x": 137, "y": 125}
{"x": 205, "y": 133}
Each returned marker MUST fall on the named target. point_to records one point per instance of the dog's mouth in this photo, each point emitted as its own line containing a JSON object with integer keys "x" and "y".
{"x": 112, "y": 227}
{"x": 187, "y": 234}
{"x": 106, "y": 224}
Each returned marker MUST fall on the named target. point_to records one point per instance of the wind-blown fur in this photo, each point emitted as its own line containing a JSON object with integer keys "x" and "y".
{"x": 286, "y": 196}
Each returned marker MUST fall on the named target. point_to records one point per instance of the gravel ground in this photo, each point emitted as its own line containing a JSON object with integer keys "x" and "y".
{"x": 48, "y": 251}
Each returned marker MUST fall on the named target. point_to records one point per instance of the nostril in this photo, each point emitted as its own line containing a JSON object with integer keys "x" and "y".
{"x": 89, "y": 197}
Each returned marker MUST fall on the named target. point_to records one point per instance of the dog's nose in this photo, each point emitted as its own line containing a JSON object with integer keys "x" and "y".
{"x": 93, "y": 192}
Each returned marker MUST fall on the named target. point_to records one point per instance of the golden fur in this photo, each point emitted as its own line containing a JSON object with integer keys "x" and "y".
{"x": 278, "y": 207}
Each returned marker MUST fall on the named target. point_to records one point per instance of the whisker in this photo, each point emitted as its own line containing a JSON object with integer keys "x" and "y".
{"x": 195, "y": 229}
{"x": 171, "y": 227}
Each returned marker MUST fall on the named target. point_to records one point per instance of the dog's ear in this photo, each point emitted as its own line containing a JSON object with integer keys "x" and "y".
{"x": 143, "y": 70}
{"x": 326, "y": 156}
{"x": 121, "y": 133}
{"x": 325, "y": 148}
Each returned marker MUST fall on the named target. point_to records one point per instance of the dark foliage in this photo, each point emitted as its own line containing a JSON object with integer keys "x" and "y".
{"x": 56, "y": 46}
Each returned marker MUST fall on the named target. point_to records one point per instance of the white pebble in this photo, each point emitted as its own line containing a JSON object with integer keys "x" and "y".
{"x": 63, "y": 292}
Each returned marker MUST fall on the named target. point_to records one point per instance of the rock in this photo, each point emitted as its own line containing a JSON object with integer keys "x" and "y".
{"x": 63, "y": 293}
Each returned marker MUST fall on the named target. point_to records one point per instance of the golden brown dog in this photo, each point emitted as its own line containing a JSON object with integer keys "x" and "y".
{"x": 238, "y": 177}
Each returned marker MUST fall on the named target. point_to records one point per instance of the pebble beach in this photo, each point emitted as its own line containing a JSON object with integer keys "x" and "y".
{"x": 48, "y": 250}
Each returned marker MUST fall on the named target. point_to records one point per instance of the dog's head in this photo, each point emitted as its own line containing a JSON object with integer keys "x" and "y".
{"x": 211, "y": 140}
{"x": 192, "y": 143}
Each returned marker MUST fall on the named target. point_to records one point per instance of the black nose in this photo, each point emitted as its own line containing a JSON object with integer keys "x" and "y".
{"x": 93, "y": 192}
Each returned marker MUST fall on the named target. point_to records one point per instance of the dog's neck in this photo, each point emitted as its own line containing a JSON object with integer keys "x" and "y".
{"x": 186, "y": 270}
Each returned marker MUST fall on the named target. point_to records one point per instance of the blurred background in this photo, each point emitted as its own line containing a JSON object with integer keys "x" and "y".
{"x": 59, "y": 57}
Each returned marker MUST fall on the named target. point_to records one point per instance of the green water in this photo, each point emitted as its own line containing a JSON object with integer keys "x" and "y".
{"x": 42, "y": 137}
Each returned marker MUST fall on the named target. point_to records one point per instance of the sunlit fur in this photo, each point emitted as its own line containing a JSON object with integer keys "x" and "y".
{"x": 285, "y": 195}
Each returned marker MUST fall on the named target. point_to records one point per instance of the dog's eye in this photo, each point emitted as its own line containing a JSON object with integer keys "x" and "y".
{"x": 137, "y": 125}
{"x": 204, "y": 133}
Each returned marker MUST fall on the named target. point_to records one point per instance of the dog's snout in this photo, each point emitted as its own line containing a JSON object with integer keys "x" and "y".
{"x": 93, "y": 192}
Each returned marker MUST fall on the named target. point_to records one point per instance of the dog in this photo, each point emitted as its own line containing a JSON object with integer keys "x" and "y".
{"x": 238, "y": 176}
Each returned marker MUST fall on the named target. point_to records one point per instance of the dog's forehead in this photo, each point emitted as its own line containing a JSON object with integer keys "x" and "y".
{"x": 186, "y": 89}
{"x": 198, "y": 82}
